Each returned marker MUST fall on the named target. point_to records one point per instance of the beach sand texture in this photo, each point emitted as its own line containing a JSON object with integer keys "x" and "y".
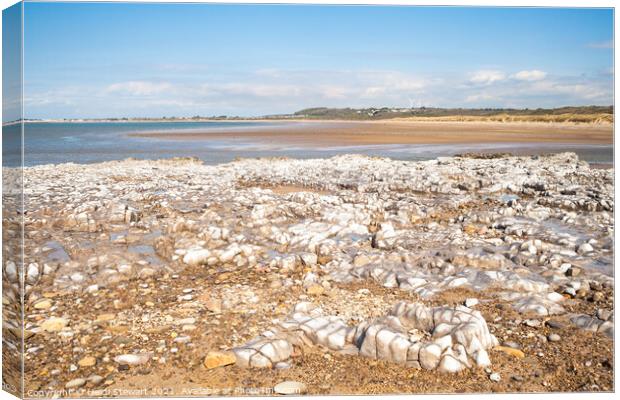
{"x": 341, "y": 133}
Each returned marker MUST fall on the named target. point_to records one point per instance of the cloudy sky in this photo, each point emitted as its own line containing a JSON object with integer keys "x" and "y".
{"x": 115, "y": 60}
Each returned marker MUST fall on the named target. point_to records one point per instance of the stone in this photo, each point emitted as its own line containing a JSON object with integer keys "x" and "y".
{"x": 429, "y": 356}
{"x": 87, "y": 361}
{"x": 532, "y": 323}
{"x": 471, "y": 302}
{"x": 290, "y": 388}
{"x": 554, "y": 324}
{"x": 133, "y": 359}
{"x": 315, "y": 290}
{"x": 510, "y": 351}
{"x": 308, "y": 259}
{"x": 95, "y": 379}
{"x": 604, "y": 314}
{"x": 54, "y": 324}
{"x": 585, "y": 248}
{"x": 43, "y": 304}
{"x": 495, "y": 377}
{"x": 215, "y": 359}
{"x": 554, "y": 337}
{"x": 196, "y": 257}
{"x": 75, "y": 383}
{"x": 263, "y": 352}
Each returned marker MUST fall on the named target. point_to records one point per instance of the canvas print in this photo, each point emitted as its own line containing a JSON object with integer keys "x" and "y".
{"x": 298, "y": 199}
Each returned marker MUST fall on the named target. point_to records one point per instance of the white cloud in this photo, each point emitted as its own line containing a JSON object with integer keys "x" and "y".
{"x": 531, "y": 75}
{"x": 138, "y": 88}
{"x": 480, "y": 97}
{"x": 607, "y": 44}
{"x": 487, "y": 77}
{"x": 279, "y": 90}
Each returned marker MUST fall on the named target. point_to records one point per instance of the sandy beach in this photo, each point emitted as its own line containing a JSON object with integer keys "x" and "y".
{"x": 345, "y": 133}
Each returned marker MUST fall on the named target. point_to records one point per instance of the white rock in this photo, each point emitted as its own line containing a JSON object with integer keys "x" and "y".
{"x": 133, "y": 359}
{"x": 196, "y": 256}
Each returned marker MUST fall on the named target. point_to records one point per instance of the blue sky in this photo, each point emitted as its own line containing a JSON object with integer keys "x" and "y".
{"x": 100, "y": 60}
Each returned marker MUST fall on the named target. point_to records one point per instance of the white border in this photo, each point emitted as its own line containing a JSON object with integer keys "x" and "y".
{"x": 484, "y": 3}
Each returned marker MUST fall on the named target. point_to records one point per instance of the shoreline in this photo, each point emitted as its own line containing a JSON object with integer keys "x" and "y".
{"x": 403, "y": 132}
{"x": 465, "y": 119}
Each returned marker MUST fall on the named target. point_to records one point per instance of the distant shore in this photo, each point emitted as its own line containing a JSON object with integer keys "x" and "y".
{"x": 403, "y": 131}
{"x": 504, "y": 118}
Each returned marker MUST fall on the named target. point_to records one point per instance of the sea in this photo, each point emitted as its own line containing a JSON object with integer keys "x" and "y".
{"x": 92, "y": 142}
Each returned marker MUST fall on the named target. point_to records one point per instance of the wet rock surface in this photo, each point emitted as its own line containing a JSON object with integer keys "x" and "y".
{"x": 301, "y": 268}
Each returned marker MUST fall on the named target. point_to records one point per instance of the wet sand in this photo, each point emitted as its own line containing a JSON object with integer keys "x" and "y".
{"x": 340, "y": 133}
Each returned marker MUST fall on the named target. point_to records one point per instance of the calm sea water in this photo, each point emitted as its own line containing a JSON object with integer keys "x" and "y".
{"x": 53, "y": 143}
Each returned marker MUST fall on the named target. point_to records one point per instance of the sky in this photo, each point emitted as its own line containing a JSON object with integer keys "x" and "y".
{"x": 131, "y": 60}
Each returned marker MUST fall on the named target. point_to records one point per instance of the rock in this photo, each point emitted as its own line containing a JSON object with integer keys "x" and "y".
{"x": 54, "y": 324}
{"x": 554, "y": 324}
{"x": 308, "y": 259}
{"x": 510, "y": 351}
{"x": 290, "y": 388}
{"x": 603, "y": 314}
{"x": 554, "y": 337}
{"x": 87, "y": 361}
{"x": 532, "y": 323}
{"x": 585, "y": 248}
{"x": 513, "y": 345}
{"x": 495, "y": 377}
{"x": 196, "y": 257}
{"x": 429, "y": 356}
{"x": 32, "y": 273}
{"x": 361, "y": 260}
{"x": 573, "y": 271}
{"x": 95, "y": 379}
{"x": 133, "y": 359}
{"x": 215, "y": 359}
{"x": 43, "y": 304}
{"x": 75, "y": 383}
{"x": 598, "y": 296}
{"x": 263, "y": 352}
{"x": 315, "y": 290}
{"x": 471, "y": 302}
{"x": 449, "y": 363}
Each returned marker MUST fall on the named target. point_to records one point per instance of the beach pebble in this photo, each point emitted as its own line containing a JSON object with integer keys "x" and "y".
{"x": 75, "y": 383}
{"x": 133, "y": 359}
{"x": 290, "y": 388}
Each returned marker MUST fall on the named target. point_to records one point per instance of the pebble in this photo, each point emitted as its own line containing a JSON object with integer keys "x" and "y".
{"x": 509, "y": 350}
{"x": 54, "y": 324}
{"x": 532, "y": 323}
{"x": 290, "y": 388}
{"x": 133, "y": 359}
{"x": 75, "y": 383}
{"x": 554, "y": 324}
{"x": 43, "y": 304}
{"x": 87, "y": 362}
{"x": 215, "y": 359}
{"x": 495, "y": 377}
{"x": 554, "y": 337}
